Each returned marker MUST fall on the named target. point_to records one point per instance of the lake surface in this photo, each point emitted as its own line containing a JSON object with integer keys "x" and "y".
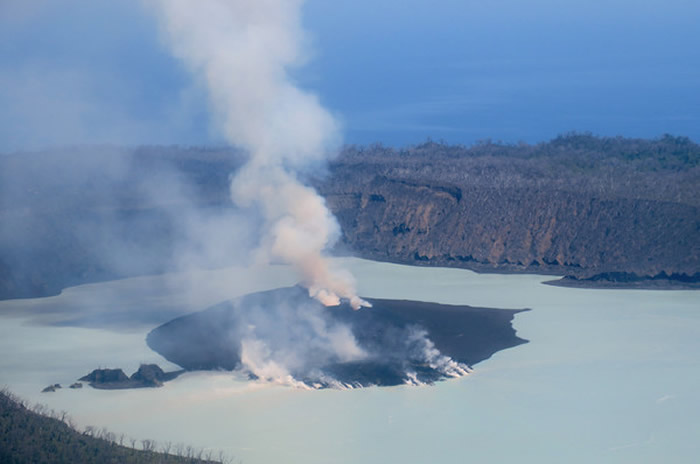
{"x": 608, "y": 375}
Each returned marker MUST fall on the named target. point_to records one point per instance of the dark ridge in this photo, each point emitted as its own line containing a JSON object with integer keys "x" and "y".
{"x": 32, "y": 437}
{"x": 454, "y": 192}
{"x": 211, "y": 339}
{"x": 578, "y": 205}
{"x": 660, "y": 281}
{"x": 103, "y": 376}
{"x": 147, "y": 376}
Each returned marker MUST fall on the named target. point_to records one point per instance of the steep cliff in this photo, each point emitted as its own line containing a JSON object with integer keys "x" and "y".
{"x": 606, "y": 215}
{"x": 610, "y": 210}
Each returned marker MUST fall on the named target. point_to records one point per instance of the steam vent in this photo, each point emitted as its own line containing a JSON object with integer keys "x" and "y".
{"x": 285, "y": 336}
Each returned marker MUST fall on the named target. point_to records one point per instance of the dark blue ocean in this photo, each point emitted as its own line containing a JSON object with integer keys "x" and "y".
{"x": 392, "y": 71}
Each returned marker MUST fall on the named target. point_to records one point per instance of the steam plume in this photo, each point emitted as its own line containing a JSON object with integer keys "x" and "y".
{"x": 243, "y": 51}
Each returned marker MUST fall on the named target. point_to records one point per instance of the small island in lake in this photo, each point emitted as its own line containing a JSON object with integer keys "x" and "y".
{"x": 284, "y": 335}
{"x": 148, "y": 376}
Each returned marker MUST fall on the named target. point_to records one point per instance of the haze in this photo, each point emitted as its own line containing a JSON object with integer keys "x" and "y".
{"x": 396, "y": 72}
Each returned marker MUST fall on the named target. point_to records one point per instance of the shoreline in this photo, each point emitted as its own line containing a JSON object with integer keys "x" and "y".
{"x": 559, "y": 279}
{"x": 561, "y": 372}
{"x": 646, "y": 284}
{"x": 398, "y": 338}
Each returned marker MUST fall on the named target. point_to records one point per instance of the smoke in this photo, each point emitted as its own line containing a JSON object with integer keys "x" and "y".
{"x": 421, "y": 348}
{"x": 283, "y": 336}
{"x": 288, "y": 340}
{"x": 83, "y": 214}
{"x": 243, "y": 53}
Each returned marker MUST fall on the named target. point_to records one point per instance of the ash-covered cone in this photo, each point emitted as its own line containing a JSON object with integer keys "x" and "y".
{"x": 285, "y": 336}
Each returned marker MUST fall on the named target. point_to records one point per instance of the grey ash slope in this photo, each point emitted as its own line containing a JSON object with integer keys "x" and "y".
{"x": 401, "y": 341}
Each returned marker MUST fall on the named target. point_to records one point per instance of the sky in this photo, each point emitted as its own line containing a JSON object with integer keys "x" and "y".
{"x": 395, "y": 72}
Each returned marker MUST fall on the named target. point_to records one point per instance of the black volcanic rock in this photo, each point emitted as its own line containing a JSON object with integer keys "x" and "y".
{"x": 51, "y": 388}
{"x": 400, "y": 341}
{"x": 151, "y": 375}
{"x": 101, "y": 376}
{"x": 148, "y": 375}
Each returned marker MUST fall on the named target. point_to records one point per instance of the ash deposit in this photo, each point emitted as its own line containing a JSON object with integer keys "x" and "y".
{"x": 285, "y": 336}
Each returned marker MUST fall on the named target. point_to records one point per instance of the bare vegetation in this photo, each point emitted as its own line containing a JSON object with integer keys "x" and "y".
{"x": 601, "y": 209}
{"x": 36, "y": 434}
{"x": 578, "y": 204}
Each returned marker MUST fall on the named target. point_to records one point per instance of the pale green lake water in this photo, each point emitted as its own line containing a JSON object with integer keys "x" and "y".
{"x": 609, "y": 376}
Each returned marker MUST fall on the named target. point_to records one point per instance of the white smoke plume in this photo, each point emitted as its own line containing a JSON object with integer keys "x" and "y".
{"x": 285, "y": 342}
{"x": 296, "y": 343}
{"x": 243, "y": 51}
{"x": 423, "y": 349}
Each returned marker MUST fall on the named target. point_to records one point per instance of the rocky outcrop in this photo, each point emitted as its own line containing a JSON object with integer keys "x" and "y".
{"x": 105, "y": 376}
{"x": 148, "y": 375}
{"x": 395, "y": 342}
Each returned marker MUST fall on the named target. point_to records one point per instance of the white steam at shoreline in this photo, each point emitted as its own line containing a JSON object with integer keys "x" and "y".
{"x": 242, "y": 51}
{"x": 285, "y": 338}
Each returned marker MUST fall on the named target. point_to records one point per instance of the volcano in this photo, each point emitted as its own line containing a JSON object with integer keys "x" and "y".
{"x": 284, "y": 335}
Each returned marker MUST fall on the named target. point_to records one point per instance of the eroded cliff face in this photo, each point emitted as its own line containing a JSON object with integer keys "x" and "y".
{"x": 554, "y": 232}
{"x": 519, "y": 219}
{"x": 607, "y": 209}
